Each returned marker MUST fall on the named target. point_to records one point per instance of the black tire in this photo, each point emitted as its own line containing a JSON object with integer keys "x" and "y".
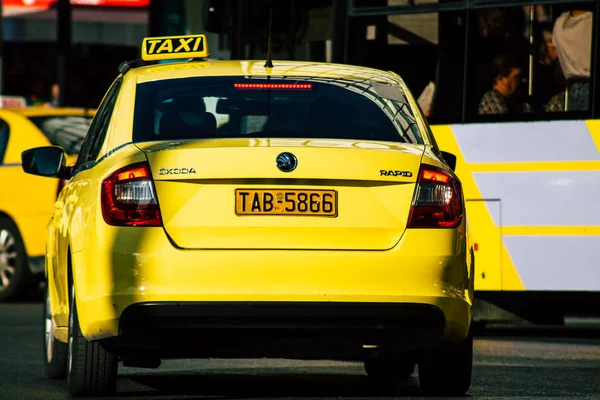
{"x": 388, "y": 368}
{"x": 55, "y": 352}
{"x": 15, "y": 276}
{"x": 447, "y": 371}
{"x": 91, "y": 370}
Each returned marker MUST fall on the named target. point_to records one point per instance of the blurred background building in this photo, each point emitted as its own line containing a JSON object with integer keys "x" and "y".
{"x": 80, "y": 43}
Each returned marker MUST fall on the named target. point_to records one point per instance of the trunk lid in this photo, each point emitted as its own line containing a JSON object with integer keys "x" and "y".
{"x": 208, "y": 189}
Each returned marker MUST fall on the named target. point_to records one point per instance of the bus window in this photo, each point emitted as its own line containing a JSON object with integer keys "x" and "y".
{"x": 498, "y": 58}
{"x": 530, "y": 62}
{"x": 426, "y": 49}
{"x": 482, "y": 61}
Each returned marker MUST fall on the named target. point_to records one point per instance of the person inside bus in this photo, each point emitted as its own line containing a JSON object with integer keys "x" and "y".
{"x": 506, "y": 81}
{"x": 549, "y": 80}
{"x": 572, "y": 37}
{"x": 556, "y": 103}
{"x": 500, "y": 30}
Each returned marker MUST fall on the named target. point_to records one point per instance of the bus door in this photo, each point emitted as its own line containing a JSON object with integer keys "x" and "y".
{"x": 485, "y": 224}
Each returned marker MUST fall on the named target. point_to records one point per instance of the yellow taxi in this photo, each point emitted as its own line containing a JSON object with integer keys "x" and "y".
{"x": 27, "y": 201}
{"x": 238, "y": 209}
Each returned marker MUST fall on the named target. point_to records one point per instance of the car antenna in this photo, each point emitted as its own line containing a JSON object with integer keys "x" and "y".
{"x": 269, "y": 62}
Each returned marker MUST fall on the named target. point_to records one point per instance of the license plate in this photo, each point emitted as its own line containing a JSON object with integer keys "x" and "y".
{"x": 321, "y": 203}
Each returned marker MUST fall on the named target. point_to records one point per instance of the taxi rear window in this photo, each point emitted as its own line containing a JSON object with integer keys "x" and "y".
{"x": 66, "y": 131}
{"x": 291, "y": 107}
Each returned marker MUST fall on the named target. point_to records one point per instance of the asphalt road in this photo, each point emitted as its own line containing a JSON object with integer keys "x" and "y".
{"x": 509, "y": 364}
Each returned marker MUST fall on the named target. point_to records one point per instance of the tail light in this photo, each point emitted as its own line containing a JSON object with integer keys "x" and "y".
{"x": 438, "y": 201}
{"x": 129, "y": 198}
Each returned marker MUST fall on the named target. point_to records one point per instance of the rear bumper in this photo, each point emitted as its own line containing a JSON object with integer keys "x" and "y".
{"x": 276, "y": 329}
{"x": 125, "y": 271}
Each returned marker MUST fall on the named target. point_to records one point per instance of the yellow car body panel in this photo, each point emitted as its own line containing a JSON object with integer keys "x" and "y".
{"x": 361, "y": 256}
{"x": 129, "y": 267}
{"x": 157, "y": 272}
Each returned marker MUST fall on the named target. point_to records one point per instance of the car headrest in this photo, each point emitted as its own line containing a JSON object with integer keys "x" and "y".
{"x": 187, "y": 124}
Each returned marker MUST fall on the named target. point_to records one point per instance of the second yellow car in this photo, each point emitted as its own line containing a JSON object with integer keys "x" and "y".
{"x": 26, "y": 201}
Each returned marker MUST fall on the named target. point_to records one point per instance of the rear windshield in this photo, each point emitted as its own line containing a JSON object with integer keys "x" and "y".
{"x": 66, "y": 131}
{"x": 234, "y": 107}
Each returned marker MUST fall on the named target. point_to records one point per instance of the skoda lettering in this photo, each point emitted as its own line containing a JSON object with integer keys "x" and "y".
{"x": 176, "y": 171}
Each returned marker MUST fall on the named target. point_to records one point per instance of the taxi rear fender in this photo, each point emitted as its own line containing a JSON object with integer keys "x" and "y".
{"x": 78, "y": 227}
{"x": 439, "y": 159}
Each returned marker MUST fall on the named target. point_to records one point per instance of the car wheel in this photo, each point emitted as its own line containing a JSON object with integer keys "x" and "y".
{"x": 55, "y": 351}
{"x": 14, "y": 273}
{"x": 388, "y": 368}
{"x": 447, "y": 372}
{"x": 91, "y": 370}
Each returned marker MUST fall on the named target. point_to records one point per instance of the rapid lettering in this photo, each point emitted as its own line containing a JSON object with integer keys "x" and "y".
{"x": 385, "y": 172}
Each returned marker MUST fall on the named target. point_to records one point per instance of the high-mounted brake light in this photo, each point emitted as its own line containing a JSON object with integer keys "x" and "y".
{"x": 438, "y": 201}
{"x": 304, "y": 86}
{"x": 129, "y": 198}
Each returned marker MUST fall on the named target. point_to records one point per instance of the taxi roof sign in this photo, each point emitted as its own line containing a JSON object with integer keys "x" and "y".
{"x": 13, "y": 102}
{"x": 174, "y": 47}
